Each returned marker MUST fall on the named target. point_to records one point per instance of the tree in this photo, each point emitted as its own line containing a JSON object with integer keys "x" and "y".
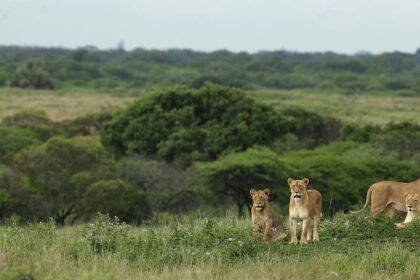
{"x": 55, "y": 175}
{"x": 234, "y": 175}
{"x": 13, "y": 140}
{"x": 188, "y": 124}
{"x": 34, "y": 120}
{"x": 32, "y": 74}
{"x": 116, "y": 198}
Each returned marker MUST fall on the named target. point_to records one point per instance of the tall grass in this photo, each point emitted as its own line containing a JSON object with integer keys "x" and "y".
{"x": 191, "y": 248}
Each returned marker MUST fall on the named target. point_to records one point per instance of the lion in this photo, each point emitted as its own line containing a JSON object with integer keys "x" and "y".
{"x": 412, "y": 203}
{"x": 388, "y": 196}
{"x": 265, "y": 218}
{"x": 304, "y": 205}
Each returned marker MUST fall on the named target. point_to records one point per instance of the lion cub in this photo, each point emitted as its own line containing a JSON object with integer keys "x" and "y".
{"x": 412, "y": 203}
{"x": 263, "y": 217}
{"x": 304, "y": 205}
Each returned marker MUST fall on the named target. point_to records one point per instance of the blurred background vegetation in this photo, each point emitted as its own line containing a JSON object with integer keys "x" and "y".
{"x": 138, "y": 134}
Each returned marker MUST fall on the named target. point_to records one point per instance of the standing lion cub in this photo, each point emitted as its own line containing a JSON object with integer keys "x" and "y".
{"x": 412, "y": 204}
{"x": 304, "y": 205}
{"x": 263, "y": 217}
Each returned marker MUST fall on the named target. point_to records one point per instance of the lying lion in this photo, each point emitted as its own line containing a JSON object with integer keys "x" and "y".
{"x": 412, "y": 203}
{"x": 388, "y": 196}
{"x": 304, "y": 205}
{"x": 263, "y": 217}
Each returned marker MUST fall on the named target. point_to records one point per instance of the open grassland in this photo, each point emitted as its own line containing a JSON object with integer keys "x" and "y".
{"x": 361, "y": 108}
{"x": 59, "y": 105}
{"x": 200, "y": 248}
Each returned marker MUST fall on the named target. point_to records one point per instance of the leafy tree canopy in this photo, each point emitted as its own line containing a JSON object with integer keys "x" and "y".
{"x": 193, "y": 124}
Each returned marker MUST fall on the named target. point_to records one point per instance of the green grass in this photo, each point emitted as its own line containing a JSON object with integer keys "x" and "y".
{"x": 363, "y": 108}
{"x": 219, "y": 248}
{"x": 366, "y": 108}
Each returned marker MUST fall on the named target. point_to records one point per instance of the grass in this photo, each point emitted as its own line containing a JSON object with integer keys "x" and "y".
{"x": 201, "y": 248}
{"x": 363, "y": 108}
{"x": 59, "y": 105}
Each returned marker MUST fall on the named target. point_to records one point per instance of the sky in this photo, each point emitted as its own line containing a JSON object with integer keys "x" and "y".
{"x": 344, "y": 26}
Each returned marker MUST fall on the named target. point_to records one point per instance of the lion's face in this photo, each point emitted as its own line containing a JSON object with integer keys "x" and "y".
{"x": 412, "y": 201}
{"x": 298, "y": 187}
{"x": 260, "y": 198}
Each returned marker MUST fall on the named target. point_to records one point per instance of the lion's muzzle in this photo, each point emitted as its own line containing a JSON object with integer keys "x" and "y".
{"x": 259, "y": 206}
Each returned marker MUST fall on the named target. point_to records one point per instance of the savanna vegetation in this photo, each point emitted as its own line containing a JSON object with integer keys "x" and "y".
{"x": 170, "y": 142}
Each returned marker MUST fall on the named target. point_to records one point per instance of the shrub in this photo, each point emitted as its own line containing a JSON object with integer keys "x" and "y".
{"x": 118, "y": 199}
{"x": 34, "y": 74}
{"x": 234, "y": 175}
{"x": 36, "y": 121}
{"x": 13, "y": 140}
{"x": 54, "y": 175}
{"x": 188, "y": 125}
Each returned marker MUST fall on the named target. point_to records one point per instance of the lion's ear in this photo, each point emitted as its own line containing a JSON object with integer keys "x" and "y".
{"x": 252, "y": 191}
{"x": 267, "y": 191}
{"x": 405, "y": 194}
{"x": 305, "y": 181}
{"x": 290, "y": 181}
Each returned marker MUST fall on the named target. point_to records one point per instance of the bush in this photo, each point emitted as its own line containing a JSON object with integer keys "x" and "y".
{"x": 34, "y": 74}
{"x": 118, "y": 199}
{"x": 54, "y": 175}
{"x": 188, "y": 125}
{"x": 234, "y": 175}
{"x": 13, "y": 140}
{"x": 36, "y": 121}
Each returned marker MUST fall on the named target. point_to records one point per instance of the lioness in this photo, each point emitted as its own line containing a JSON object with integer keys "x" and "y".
{"x": 412, "y": 203}
{"x": 388, "y": 196}
{"x": 304, "y": 205}
{"x": 263, "y": 217}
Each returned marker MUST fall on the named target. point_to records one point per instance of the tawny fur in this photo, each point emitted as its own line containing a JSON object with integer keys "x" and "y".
{"x": 388, "y": 196}
{"x": 413, "y": 208}
{"x": 265, "y": 218}
{"x": 306, "y": 208}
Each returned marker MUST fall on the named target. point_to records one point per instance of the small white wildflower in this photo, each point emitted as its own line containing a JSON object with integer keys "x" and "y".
{"x": 208, "y": 253}
{"x": 334, "y": 273}
{"x": 231, "y": 239}
{"x": 240, "y": 243}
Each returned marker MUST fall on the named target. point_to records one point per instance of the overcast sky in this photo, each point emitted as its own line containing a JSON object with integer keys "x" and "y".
{"x": 345, "y": 26}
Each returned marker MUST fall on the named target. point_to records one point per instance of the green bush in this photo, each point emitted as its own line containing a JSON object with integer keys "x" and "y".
{"x": 36, "y": 121}
{"x": 34, "y": 74}
{"x": 116, "y": 198}
{"x": 234, "y": 175}
{"x": 188, "y": 125}
{"x": 13, "y": 140}
{"x": 55, "y": 175}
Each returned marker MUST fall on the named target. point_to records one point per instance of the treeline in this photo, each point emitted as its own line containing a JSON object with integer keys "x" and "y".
{"x": 186, "y": 149}
{"x": 118, "y": 69}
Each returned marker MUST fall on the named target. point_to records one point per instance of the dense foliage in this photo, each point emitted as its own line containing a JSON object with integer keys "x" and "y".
{"x": 182, "y": 150}
{"x": 90, "y": 67}
{"x": 190, "y": 125}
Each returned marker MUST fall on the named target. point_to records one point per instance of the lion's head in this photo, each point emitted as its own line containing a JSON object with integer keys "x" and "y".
{"x": 298, "y": 187}
{"x": 412, "y": 201}
{"x": 260, "y": 198}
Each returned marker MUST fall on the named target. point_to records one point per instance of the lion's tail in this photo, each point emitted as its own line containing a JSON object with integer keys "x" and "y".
{"x": 368, "y": 195}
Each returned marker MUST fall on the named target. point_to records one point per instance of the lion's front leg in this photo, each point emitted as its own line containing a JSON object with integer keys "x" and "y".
{"x": 305, "y": 229}
{"x": 401, "y": 225}
{"x": 268, "y": 233}
{"x": 292, "y": 226}
{"x": 255, "y": 228}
